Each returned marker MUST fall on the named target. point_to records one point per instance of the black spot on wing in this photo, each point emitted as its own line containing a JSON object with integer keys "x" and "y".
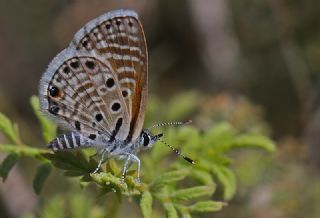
{"x": 54, "y": 109}
{"x": 110, "y": 83}
{"x": 54, "y": 91}
{"x": 75, "y": 64}
{"x": 99, "y": 117}
{"x": 90, "y": 64}
{"x": 66, "y": 70}
{"x": 92, "y": 136}
{"x": 115, "y": 106}
{"x": 116, "y": 130}
{"x": 78, "y": 126}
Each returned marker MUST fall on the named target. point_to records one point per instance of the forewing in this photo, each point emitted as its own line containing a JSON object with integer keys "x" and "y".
{"x": 118, "y": 38}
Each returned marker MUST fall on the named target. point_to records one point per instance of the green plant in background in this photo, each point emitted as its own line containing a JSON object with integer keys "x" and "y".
{"x": 168, "y": 183}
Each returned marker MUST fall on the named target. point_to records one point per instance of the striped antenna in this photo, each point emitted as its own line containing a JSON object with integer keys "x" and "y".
{"x": 178, "y": 152}
{"x": 175, "y": 123}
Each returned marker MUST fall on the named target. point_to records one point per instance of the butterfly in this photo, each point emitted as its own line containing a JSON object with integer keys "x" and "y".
{"x": 97, "y": 88}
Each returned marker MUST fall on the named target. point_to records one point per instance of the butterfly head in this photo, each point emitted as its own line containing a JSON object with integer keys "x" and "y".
{"x": 147, "y": 140}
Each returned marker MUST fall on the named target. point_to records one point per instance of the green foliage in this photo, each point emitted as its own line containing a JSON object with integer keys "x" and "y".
{"x": 180, "y": 188}
{"x": 146, "y": 204}
{"x": 48, "y": 127}
{"x": 7, "y": 164}
{"x": 9, "y": 129}
{"x": 43, "y": 171}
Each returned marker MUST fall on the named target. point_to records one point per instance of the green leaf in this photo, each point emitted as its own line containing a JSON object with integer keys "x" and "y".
{"x": 227, "y": 179}
{"x": 253, "y": 141}
{"x": 207, "y": 206}
{"x": 48, "y": 127}
{"x": 23, "y": 150}
{"x": 43, "y": 171}
{"x": 146, "y": 204}
{"x": 9, "y": 129}
{"x": 192, "y": 193}
{"x": 110, "y": 182}
{"x": 186, "y": 215}
{"x": 202, "y": 176}
{"x": 71, "y": 161}
{"x": 184, "y": 211}
{"x": 219, "y": 136}
{"x": 7, "y": 165}
{"x": 171, "y": 210}
{"x": 168, "y": 178}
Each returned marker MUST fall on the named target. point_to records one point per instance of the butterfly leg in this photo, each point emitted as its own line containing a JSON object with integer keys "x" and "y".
{"x": 136, "y": 159}
{"x": 101, "y": 161}
{"x": 125, "y": 167}
{"x": 130, "y": 158}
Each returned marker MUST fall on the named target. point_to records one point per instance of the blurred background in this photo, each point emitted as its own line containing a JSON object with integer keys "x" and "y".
{"x": 257, "y": 56}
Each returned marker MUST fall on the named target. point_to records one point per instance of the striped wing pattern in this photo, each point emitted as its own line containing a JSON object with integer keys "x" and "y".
{"x": 97, "y": 87}
{"x": 119, "y": 39}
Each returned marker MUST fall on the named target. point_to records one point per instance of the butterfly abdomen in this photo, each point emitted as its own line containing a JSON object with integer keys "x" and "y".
{"x": 67, "y": 141}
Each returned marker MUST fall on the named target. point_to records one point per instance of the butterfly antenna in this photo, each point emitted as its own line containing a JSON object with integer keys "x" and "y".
{"x": 175, "y": 123}
{"x": 178, "y": 152}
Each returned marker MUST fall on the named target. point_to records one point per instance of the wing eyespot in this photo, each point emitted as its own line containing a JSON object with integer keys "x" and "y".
{"x": 110, "y": 82}
{"x": 99, "y": 117}
{"x": 124, "y": 93}
{"x": 108, "y": 26}
{"x": 90, "y": 64}
{"x": 66, "y": 70}
{"x": 54, "y": 109}
{"x": 54, "y": 91}
{"x": 115, "y": 107}
{"x": 118, "y": 22}
{"x": 92, "y": 136}
{"x": 75, "y": 64}
{"x": 84, "y": 43}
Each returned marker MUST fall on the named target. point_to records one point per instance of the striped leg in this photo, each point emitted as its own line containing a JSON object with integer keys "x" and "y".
{"x": 67, "y": 141}
{"x": 128, "y": 159}
{"x": 102, "y": 159}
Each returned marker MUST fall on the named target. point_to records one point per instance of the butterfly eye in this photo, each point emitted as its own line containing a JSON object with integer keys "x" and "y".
{"x": 146, "y": 140}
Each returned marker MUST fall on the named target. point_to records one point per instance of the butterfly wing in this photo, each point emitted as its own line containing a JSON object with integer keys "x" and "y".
{"x": 81, "y": 92}
{"x": 118, "y": 38}
{"x": 98, "y": 85}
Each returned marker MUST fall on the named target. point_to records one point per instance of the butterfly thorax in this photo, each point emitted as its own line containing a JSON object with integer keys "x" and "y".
{"x": 118, "y": 147}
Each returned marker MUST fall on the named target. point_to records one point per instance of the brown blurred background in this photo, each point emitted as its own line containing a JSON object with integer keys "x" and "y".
{"x": 265, "y": 50}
